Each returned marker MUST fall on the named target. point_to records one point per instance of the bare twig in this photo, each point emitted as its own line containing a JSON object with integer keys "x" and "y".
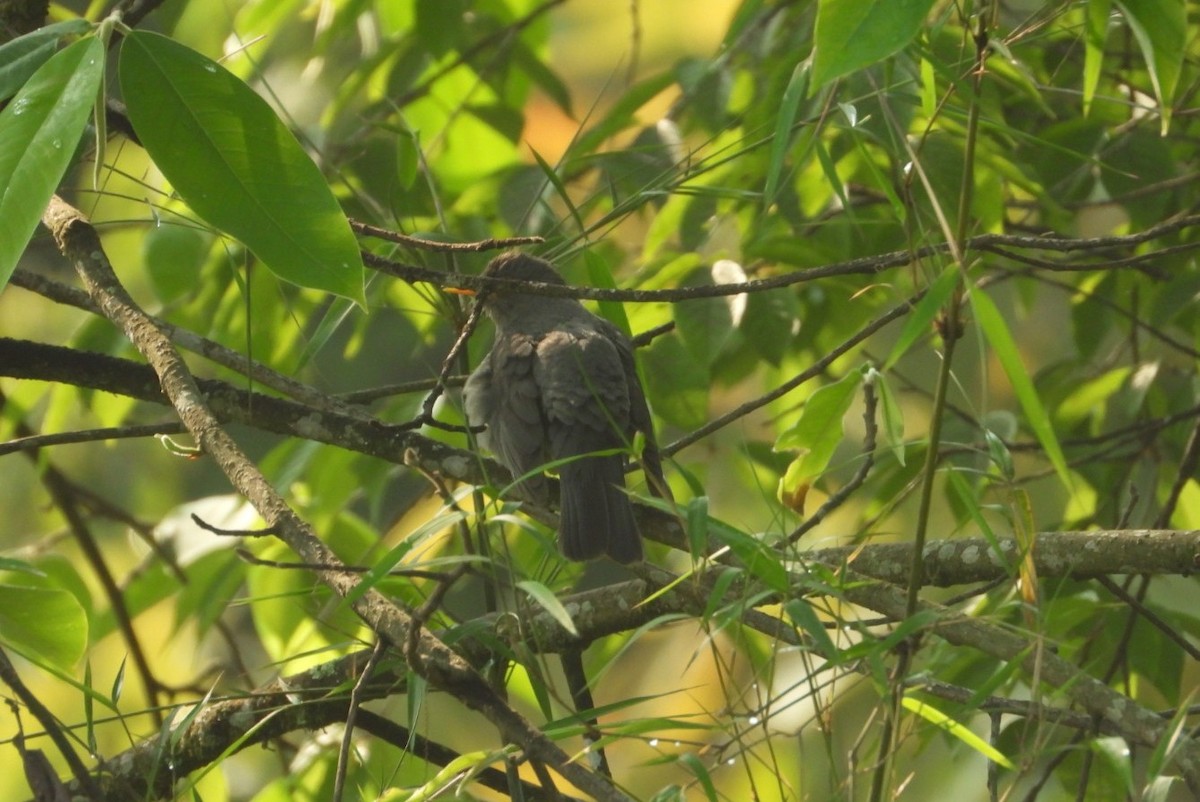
{"x": 442, "y": 247}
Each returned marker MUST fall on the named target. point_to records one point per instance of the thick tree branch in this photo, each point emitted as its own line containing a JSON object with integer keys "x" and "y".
{"x": 947, "y": 562}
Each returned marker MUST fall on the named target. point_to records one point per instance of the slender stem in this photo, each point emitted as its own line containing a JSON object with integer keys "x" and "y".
{"x": 951, "y": 330}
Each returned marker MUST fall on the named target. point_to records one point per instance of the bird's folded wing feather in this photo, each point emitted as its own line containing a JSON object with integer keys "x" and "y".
{"x": 584, "y": 392}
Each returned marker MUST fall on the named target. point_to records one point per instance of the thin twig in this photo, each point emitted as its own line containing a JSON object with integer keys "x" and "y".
{"x": 442, "y": 247}
{"x": 10, "y": 677}
{"x": 871, "y": 431}
{"x": 34, "y": 442}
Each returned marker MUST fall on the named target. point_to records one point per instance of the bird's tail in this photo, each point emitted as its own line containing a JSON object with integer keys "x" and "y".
{"x": 597, "y": 516}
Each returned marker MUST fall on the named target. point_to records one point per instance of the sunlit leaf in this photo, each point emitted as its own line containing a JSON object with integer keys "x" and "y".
{"x": 962, "y": 733}
{"x": 819, "y": 430}
{"x": 851, "y": 34}
{"x": 39, "y": 130}
{"x": 46, "y": 621}
{"x": 237, "y": 165}
{"x": 549, "y": 602}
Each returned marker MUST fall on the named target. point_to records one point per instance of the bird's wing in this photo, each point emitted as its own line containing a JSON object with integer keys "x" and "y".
{"x": 584, "y": 391}
{"x": 639, "y": 411}
{"x": 503, "y": 395}
{"x": 585, "y": 398}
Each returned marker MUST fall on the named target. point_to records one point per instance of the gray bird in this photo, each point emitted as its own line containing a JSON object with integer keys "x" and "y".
{"x": 558, "y": 383}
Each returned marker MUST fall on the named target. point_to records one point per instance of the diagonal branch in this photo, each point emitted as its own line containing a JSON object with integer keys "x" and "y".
{"x": 432, "y": 659}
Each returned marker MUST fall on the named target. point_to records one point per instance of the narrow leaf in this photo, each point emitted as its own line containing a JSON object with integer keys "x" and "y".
{"x": 893, "y": 417}
{"x": 964, "y": 734}
{"x": 696, "y": 767}
{"x": 1095, "y": 35}
{"x": 39, "y": 130}
{"x": 549, "y": 602}
{"x": 1160, "y": 27}
{"x": 996, "y": 332}
{"x": 788, "y": 107}
{"x": 918, "y": 323}
{"x": 805, "y": 617}
{"x": 697, "y": 526}
{"x": 600, "y": 275}
{"x": 237, "y": 165}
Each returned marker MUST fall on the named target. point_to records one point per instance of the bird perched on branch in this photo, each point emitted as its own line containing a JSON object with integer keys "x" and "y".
{"x": 559, "y": 386}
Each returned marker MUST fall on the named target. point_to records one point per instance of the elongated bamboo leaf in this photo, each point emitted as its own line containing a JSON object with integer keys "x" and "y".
{"x": 237, "y": 165}
{"x": 39, "y": 130}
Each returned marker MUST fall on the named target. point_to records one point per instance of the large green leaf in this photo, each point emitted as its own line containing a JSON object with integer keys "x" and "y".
{"x": 237, "y": 165}
{"x": 38, "y": 133}
{"x": 46, "y": 621}
{"x": 851, "y": 34}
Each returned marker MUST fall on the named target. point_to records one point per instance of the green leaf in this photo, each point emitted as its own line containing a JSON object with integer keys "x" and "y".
{"x": 697, "y": 526}
{"x": 600, "y": 275}
{"x": 996, "y": 332}
{"x": 20, "y": 58}
{"x": 39, "y": 130}
{"x": 544, "y": 77}
{"x": 550, "y": 603}
{"x": 678, "y": 383}
{"x": 962, "y": 733}
{"x": 237, "y": 165}
{"x": 856, "y": 33}
{"x": 696, "y": 767}
{"x": 1095, "y": 34}
{"x": 893, "y": 417}
{"x": 768, "y": 323}
{"x": 1160, "y": 27}
{"x": 805, "y": 617}
{"x": 705, "y": 325}
{"x": 759, "y": 558}
{"x": 1115, "y": 753}
{"x": 918, "y": 323}
{"x": 44, "y": 620}
{"x": 788, "y": 107}
{"x": 174, "y": 256}
{"x": 620, "y": 116}
{"x": 819, "y": 429}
